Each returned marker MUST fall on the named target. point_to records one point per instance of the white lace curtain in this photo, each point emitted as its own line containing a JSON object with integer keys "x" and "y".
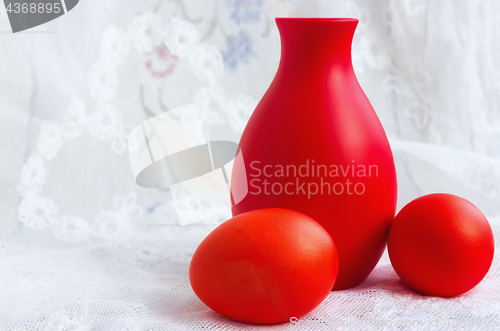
{"x": 82, "y": 248}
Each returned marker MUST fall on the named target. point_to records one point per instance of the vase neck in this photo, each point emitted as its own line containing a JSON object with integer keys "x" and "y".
{"x": 316, "y": 43}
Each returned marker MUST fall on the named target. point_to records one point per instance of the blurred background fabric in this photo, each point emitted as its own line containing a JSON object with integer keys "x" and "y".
{"x": 84, "y": 248}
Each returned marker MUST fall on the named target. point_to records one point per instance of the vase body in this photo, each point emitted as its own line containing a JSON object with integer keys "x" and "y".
{"x": 314, "y": 144}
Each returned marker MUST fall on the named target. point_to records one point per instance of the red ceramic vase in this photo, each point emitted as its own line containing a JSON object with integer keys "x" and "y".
{"x": 315, "y": 145}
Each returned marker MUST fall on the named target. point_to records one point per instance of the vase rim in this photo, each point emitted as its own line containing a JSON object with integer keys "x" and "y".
{"x": 317, "y": 19}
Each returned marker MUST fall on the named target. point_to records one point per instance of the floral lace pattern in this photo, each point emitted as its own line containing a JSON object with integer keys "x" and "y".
{"x": 38, "y": 212}
{"x": 93, "y": 251}
{"x": 164, "y": 46}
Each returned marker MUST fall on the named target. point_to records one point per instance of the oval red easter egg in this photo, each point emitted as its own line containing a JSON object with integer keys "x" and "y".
{"x": 441, "y": 245}
{"x": 265, "y": 266}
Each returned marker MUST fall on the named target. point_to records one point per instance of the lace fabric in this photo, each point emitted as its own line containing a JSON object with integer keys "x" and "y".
{"x": 85, "y": 248}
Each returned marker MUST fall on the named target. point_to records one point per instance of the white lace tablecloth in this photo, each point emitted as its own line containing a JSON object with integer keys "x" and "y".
{"x": 84, "y": 248}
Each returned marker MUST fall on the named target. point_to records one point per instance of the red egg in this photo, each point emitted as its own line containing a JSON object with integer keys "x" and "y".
{"x": 441, "y": 245}
{"x": 265, "y": 266}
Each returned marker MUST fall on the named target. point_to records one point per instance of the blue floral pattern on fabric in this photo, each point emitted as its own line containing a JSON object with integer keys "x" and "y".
{"x": 246, "y": 11}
